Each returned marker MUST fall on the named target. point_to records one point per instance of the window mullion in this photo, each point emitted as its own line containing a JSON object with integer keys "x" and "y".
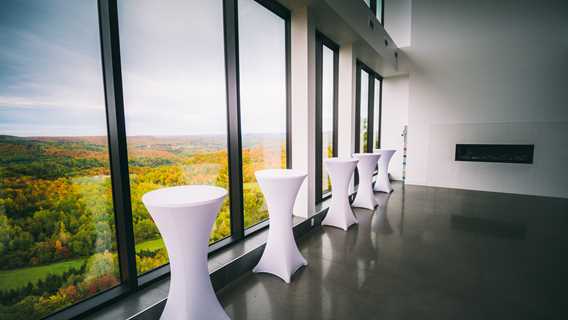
{"x": 110, "y": 52}
{"x": 230, "y": 13}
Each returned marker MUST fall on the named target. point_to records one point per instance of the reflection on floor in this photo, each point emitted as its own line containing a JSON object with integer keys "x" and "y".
{"x": 426, "y": 253}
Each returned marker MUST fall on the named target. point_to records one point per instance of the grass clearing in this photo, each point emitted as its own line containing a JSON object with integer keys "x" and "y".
{"x": 17, "y": 278}
{"x": 151, "y": 245}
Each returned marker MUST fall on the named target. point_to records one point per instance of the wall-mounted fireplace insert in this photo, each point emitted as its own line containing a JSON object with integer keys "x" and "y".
{"x": 505, "y": 153}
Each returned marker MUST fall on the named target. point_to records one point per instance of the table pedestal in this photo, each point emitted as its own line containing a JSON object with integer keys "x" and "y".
{"x": 365, "y": 167}
{"x": 383, "y": 182}
{"x": 281, "y": 256}
{"x": 184, "y": 216}
{"x": 340, "y": 214}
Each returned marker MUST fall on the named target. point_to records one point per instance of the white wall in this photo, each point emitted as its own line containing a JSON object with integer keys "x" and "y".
{"x": 394, "y": 118}
{"x": 547, "y": 176}
{"x": 346, "y": 102}
{"x": 303, "y": 106}
{"x": 489, "y": 71}
{"x": 358, "y": 16}
{"x": 398, "y": 21}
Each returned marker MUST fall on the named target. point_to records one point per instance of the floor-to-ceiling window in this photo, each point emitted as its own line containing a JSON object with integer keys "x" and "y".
{"x": 327, "y": 60}
{"x": 363, "y": 108}
{"x": 175, "y": 106}
{"x": 263, "y": 103}
{"x": 368, "y": 109}
{"x": 104, "y": 100}
{"x": 57, "y": 230}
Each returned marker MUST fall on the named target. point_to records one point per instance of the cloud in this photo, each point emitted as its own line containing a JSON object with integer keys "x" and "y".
{"x": 173, "y": 71}
{"x": 47, "y": 102}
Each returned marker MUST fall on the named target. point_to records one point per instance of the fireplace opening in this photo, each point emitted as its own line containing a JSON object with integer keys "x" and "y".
{"x": 503, "y": 153}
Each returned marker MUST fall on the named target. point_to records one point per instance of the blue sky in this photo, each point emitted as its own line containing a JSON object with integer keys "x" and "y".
{"x": 173, "y": 68}
{"x": 50, "y": 81}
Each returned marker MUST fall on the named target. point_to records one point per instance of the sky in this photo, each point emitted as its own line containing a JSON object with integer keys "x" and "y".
{"x": 172, "y": 60}
{"x": 50, "y": 79}
{"x": 327, "y": 89}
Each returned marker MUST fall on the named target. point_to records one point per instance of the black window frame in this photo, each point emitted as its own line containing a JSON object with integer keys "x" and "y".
{"x": 321, "y": 42}
{"x": 116, "y": 132}
{"x": 373, "y": 76}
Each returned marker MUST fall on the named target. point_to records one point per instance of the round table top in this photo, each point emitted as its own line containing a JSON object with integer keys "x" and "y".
{"x": 341, "y": 160}
{"x": 183, "y": 196}
{"x": 279, "y": 174}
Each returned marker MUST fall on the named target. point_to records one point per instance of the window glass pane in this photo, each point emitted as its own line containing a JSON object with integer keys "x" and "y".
{"x": 262, "y": 54}
{"x": 364, "y": 118}
{"x": 377, "y": 116}
{"x": 57, "y": 232}
{"x": 327, "y": 114}
{"x": 380, "y": 10}
{"x": 174, "y": 93}
{"x": 368, "y": 3}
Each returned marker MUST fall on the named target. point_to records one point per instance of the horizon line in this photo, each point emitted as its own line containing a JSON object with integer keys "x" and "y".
{"x": 130, "y": 136}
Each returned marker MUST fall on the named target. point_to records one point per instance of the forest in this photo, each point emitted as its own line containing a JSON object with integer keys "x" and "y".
{"x": 57, "y": 232}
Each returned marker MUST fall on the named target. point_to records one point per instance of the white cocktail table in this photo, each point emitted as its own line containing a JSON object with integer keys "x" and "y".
{"x": 340, "y": 214}
{"x": 184, "y": 216}
{"x": 281, "y": 256}
{"x": 383, "y": 182}
{"x": 365, "y": 167}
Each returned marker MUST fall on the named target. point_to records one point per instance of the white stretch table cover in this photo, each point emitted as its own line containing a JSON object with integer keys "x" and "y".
{"x": 383, "y": 182}
{"x": 281, "y": 256}
{"x": 365, "y": 197}
{"x": 184, "y": 215}
{"x": 340, "y": 214}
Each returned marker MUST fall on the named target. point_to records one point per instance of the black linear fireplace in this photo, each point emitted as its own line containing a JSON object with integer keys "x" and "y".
{"x": 504, "y": 153}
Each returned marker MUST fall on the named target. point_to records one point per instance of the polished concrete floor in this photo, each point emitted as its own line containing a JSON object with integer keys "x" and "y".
{"x": 426, "y": 253}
